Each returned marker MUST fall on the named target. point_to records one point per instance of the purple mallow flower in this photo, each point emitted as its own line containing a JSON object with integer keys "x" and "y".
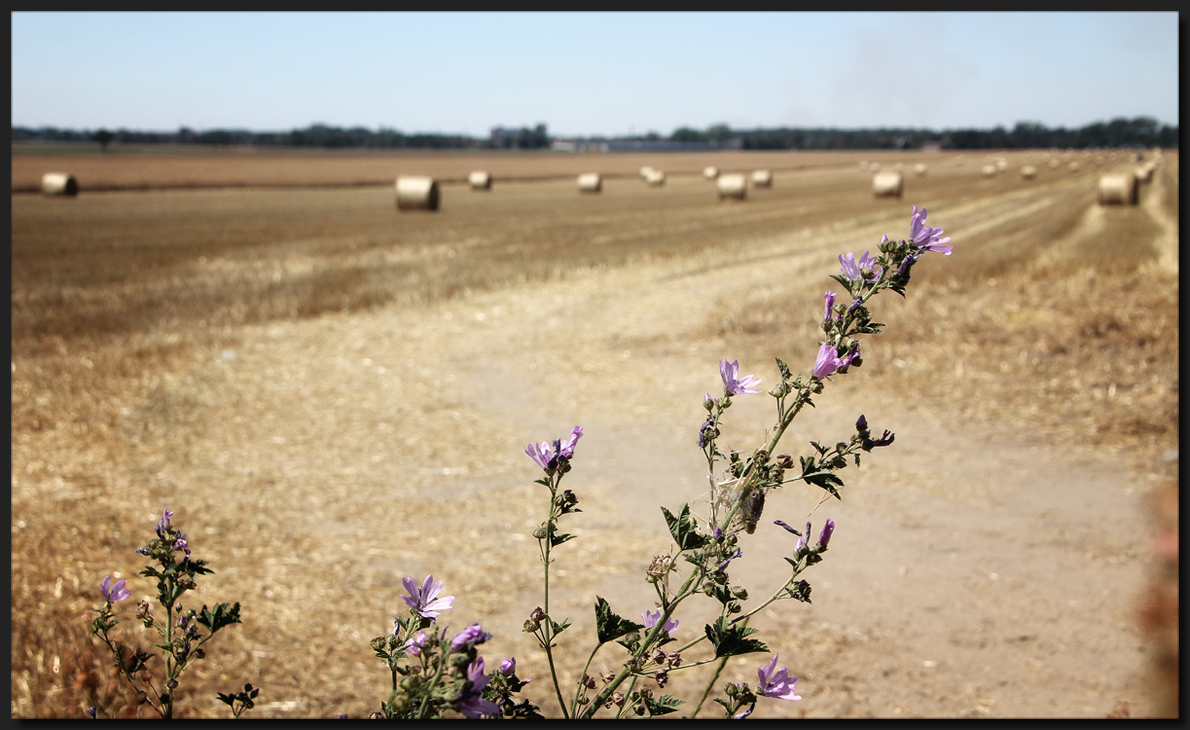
{"x": 787, "y": 527}
{"x": 926, "y": 238}
{"x": 863, "y": 270}
{"x": 469, "y": 636}
{"x": 732, "y": 383}
{"x": 828, "y": 360}
{"x": 508, "y": 666}
{"x": 163, "y": 523}
{"x": 113, "y": 593}
{"x": 827, "y": 530}
{"x": 830, "y": 304}
{"x": 776, "y": 683}
{"x": 650, "y": 618}
{"x": 424, "y": 599}
{"x": 546, "y": 456}
{"x": 733, "y": 556}
{"x": 415, "y": 643}
{"x": 471, "y": 702}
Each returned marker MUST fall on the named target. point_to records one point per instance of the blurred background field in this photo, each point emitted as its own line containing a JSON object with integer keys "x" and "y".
{"x": 136, "y": 307}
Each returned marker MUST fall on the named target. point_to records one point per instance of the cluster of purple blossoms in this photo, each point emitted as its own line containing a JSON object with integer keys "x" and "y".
{"x": 733, "y": 384}
{"x": 925, "y": 239}
{"x": 547, "y": 457}
{"x": 863, "y": 270}
{"x": 471, "y": 702}
{"x": 824, "y": 537}
{"x": 424, "y": 598}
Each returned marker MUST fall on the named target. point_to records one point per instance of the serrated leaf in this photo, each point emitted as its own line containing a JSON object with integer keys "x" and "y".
{"x": 224, "y": 614}
{"x": 610, "y": 626}
{"x": 559, "y": 627}
{"x": 781, "y": 366}
{"x": 559, "y": 538}
{"x": 684, "y": 529}
{"x": 663, "y": 705}
{"x": 729, "y": 639}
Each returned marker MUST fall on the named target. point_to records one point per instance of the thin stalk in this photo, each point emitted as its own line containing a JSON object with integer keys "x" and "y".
{"x": 707, "y": 692}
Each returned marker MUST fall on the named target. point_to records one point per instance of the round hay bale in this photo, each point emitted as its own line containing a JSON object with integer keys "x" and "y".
{"x": 1055, "y": 164}
{"x": 1074, "y": 166}
{"x": 888, "y": 184}
{"x": 920, "y": 169}
{"x": 655, "y": 178}
{"x": 645, "y": 172}
{"x": 874, "y": 167}
{"x": 1117, "y": 189}
{"x": 710, "y": 173}
{"x": 59, "y": 183}
{"x": 762, "y": 179}
{"x": 734, "y": 186}
{"x": 480, "y": 180}
{"x": 1144, "y": 173}
{"x": 1002, "y": 164}
{"x": 989, "y": 170}
{"x": 1028, "y": 172}
{"x": 590, "y": 182}
{"x": 417, "y": 193}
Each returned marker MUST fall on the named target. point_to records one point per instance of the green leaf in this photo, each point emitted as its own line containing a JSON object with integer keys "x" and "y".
{"x": 559, "y": 538}
{"x": 610, "y": 626}
{"x": 224, "y": 615}
{"x": 663, "y": 705}
{"x": 684, "y": 529}
{"x": 785, "y": 374}
{"x": 800, "y": 590}
{"x": 729, "y": 639}
{"x": 559, "y": 627}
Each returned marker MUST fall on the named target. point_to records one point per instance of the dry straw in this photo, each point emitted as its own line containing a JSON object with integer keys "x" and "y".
{"x": 417, "y": 193}
{"x": 590, "y": 182}
{"x": 480, "y": 180}
{"x": 1117, "y": 189}
{"x": 888, "y": 184}
{"x": 733, "y": 186}
{"x": 59, "y": 183}
{"x": 762, "y": 179}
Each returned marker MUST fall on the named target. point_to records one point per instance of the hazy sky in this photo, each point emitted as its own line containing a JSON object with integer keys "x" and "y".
{"x": 590, "y": 73}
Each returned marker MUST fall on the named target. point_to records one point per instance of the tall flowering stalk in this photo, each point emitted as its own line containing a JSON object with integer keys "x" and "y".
{"x": 183, "y": 631}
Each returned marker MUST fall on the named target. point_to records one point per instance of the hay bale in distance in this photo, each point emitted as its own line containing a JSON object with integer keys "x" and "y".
{"x": 655, "y": 178}
{"x": 762, "y": 179}
{"x": 734, "y": 186}
{"x": 480, "y": 180}
{"x": 710, "y": 173}
{"x": 59, "y": 183}
{"x": 920, "y": 169}
{"x": 989, "y": 170}
{"x": 888, "y": 184}
{"x": 645, "y": 171}
{"x": 1055, "y": 164}
{"x": 1117, "y": 189}
{"x": 874, "y": 167}
{"x": 1144, "y": 173}
{"x": 1001, "y": 164}
{"x": 417, "y": 193}
{"x": 590, "y": 182}
{"x": 1028, "y": 172}
{"x": 1074, "y": 166}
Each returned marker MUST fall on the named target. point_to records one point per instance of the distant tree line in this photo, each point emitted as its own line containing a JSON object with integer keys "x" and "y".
{"x": 1120, "y": 132}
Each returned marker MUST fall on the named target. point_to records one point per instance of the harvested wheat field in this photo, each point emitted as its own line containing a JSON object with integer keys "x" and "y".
{"x": 334, "y": 395}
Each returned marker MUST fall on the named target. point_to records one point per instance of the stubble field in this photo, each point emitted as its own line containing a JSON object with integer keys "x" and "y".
{"x": 334, "y": 395}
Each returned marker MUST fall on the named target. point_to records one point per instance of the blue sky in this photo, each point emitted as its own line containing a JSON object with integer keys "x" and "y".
{"x": 588, "y": 74}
